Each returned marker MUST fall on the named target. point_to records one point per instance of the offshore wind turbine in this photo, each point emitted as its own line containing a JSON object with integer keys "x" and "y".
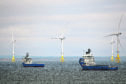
{"x": 117, "y": 34}
{"x": 61, "y": 37}
{"x": 13, "y": 48}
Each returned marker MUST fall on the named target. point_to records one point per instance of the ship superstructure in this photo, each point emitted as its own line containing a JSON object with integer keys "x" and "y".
{"x": 27, "y": 62}
{"x": 89, "y": 58}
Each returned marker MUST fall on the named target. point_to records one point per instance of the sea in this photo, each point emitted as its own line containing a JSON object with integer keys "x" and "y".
{"x": 54, "y": 72}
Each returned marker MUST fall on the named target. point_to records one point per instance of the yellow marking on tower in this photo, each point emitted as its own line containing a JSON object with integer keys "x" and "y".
{"x": 62, "y": 59}
{"x": 13, "y": 59}
{"x": 118, "y": 58}
{"x": 112, "y": 58}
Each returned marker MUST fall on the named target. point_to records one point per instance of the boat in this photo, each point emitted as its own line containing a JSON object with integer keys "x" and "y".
{"x": 27, "y": 62}
{"x": 33, "y": 65}
{"x": 87, "y": 62}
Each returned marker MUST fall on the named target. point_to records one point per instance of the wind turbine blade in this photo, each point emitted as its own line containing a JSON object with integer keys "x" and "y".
{"x": 120, "y": 23}
{"x": 54, "y": 38}
{"x": 12, "y": 36}
{"x": 120, "y": 43}
{"x": 64, "y": 38}
{"x": 109, "y": 35}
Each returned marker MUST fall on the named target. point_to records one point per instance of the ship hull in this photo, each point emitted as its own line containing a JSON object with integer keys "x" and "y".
{"x": 99, "y": 67}
{"x": 33, "y": 65}
{"x": 96, "y": 67}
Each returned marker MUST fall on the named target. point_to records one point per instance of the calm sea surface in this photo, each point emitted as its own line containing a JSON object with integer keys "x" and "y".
{"x": 70, "y": 72}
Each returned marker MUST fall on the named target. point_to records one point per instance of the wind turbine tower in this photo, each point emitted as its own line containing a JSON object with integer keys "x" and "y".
{"x": 118, "y": 40}
{"x": 112, "y": 42}
{"x": 13, "y": 53}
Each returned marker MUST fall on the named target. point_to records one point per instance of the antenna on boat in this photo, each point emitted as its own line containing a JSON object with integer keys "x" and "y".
{"x": 118, "y": 40}
{"x": 61, "y": 37}
{"x": 13, "y": 43}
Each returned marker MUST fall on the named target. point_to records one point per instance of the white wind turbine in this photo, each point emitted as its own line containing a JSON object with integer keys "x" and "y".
{"x": 61, "y": 37}
{"x": 117, "y": 34}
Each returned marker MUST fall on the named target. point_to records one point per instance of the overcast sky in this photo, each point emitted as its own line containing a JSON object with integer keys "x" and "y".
{"x": 83, "y": 22}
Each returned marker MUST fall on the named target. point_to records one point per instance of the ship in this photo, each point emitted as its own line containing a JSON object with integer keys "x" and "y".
{"x": 27, "y": 62}
{"x": 87, "y": 62}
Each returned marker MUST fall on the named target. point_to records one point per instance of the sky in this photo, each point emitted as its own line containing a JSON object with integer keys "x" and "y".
{"x": 84, "y": 23}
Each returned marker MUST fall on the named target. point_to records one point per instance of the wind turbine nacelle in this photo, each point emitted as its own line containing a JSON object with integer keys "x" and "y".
{"x": 114, "y": 34}
{"x": 59, "y": 38}
{"x": 112, "y": 42}
{"x": 119, "y": 33}
{"x": 62, "y": 38}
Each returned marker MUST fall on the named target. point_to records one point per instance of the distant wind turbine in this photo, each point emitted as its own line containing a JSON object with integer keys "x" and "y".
{"x": 61, "y": 37}
{"x": 117, "y": 34}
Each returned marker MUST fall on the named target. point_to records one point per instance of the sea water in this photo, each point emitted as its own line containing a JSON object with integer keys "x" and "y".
{"x": 54, "y": 72}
